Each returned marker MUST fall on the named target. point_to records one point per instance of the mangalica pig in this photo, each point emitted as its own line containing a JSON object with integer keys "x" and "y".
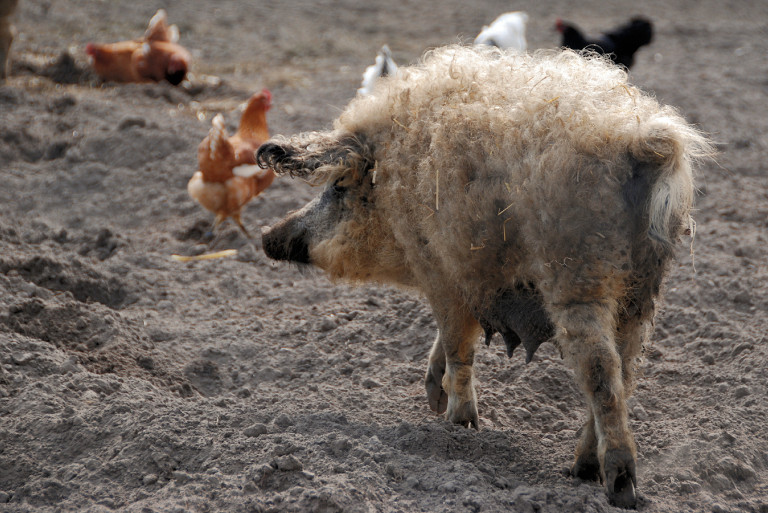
{"x": 536, "y": 195}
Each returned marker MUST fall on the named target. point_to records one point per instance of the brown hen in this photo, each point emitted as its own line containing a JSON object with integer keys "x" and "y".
{"x": 228, "y": 176}
{"x": 154, "y": 57}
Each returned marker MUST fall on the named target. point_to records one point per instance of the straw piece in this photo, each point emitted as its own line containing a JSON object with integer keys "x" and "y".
{"x": 207, "y": 256}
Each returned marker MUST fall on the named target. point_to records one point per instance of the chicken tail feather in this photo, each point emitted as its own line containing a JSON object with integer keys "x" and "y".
{"x": 217, "y": 137}
{"x": 158, "y": 29}
{"x": 215, "y": 153}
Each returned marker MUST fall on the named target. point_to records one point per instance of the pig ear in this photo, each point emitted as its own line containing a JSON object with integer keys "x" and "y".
{"x": 317, "y": 156}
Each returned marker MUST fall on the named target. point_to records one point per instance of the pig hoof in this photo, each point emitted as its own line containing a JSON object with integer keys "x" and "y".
{"x": 466, "y": 415}
{"x": 438, "y": 399}
{"x": 625, "y": 497}
{"x": 586, "y": 467}
{"x": 620, "y": 478}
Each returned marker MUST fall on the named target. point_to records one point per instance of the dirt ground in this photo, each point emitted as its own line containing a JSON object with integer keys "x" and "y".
{"x": 132, "y": 382}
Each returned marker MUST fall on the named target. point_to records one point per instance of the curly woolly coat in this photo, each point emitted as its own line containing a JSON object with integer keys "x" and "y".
{"x": 534, "y": 194}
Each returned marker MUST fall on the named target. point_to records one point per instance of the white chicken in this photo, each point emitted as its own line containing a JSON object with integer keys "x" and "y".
{"x": 507, "y": 31}
{"x": 383, "y": 66}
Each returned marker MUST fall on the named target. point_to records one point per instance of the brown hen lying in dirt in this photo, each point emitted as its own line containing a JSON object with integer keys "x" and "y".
{"x": 155, "y": 57}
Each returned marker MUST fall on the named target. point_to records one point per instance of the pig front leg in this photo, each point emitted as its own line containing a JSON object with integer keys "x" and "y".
{"x": 450, "y": 380}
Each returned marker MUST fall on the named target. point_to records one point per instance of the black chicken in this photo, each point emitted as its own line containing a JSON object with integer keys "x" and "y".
{"x": 619, "y": 44}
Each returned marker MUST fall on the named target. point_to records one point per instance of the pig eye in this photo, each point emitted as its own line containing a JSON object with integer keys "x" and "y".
{"x": 338, "y": 188}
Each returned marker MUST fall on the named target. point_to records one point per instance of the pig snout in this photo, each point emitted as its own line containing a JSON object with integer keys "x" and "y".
{"x": 286, "y": 241}
{"x": 272, "y": 155}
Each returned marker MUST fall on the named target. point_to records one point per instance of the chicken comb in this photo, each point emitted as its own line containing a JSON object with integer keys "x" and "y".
{"x": 267, "y": 97}
{"x": 173, "y": 33}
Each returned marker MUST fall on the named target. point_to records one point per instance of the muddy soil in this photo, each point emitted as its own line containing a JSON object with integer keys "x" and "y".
{"x": 132, "y": 382}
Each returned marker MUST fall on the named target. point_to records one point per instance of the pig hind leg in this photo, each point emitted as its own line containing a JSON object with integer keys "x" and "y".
{"x": 586, "y": 465}
{"x": 587, "y": 339}
{"x": 6, "y": 38}
{"x": 632, "y": 332}
{"x": 636, "y": 317}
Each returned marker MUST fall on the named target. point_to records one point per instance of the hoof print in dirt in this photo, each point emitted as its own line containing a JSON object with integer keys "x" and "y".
{"x": 200, "y": 231}
{"x": 103, "y": 247}
{"x": 205, "y": 376}
{"x": 83, "y": 282}
{"x": 65, "y": 70}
